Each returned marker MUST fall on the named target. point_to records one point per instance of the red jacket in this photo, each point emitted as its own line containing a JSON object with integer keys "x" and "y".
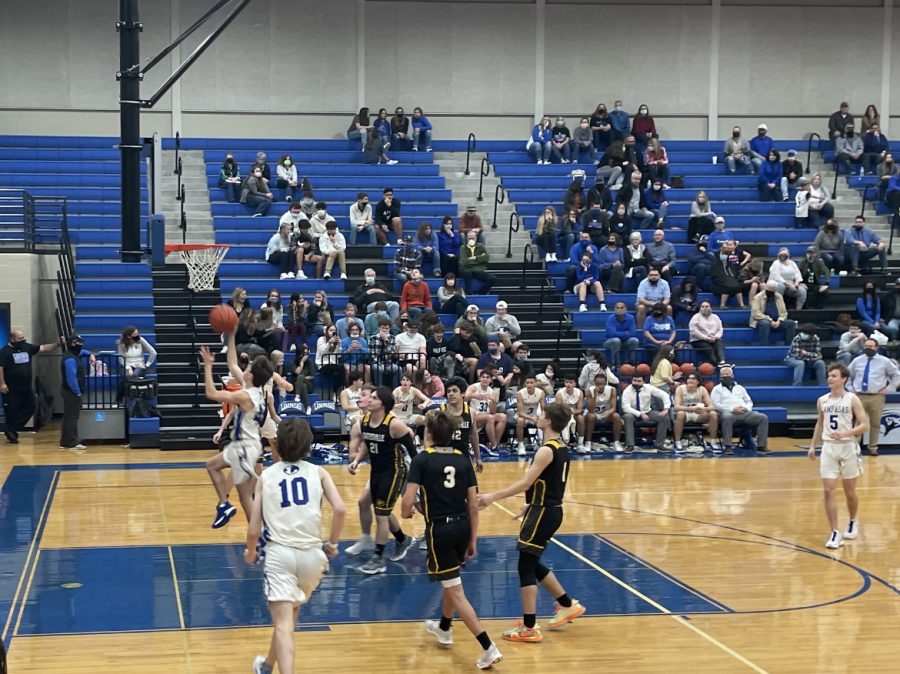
{"x": 414, "y": 295}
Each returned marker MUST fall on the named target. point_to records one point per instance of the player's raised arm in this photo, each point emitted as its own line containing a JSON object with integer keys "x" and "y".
{"x": 239, "y": 398}
{"x": 231, "y": 357}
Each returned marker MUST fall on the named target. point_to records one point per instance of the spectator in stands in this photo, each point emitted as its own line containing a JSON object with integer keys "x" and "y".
{"x": 308, "y": 204}
{"x": 411, "y": 346}
{"x": 839, "y": 120}
{"x": 737, "y": 153}
{"x": 448, "y": 246}
{"x": 769, "y": 182}
{"x": 400, "y": 130}
{"x": 500, "y": 360}
{"x": 706, "y": 333}
{"x": 632, "y": 196}
{"x": 473, "y": 318}
{"x": 805, "y": 353}
{"x": 473, "y": 262}
{"x": 662, "y": 255}
{"x": 768, "y": 312}
{"x": 888, "y": 169}
{"x": 868, "y": 306}
{"x": 503, "y": 325}
{"x": 621, "y": 332}
{"x": 659, "y": 328}
{"x": 415, "y": 296}
{"x": 304, "y": 375}
{"x": 791, "y": 171}
{"x": 848, "y": 148}
{"x": 573, "y": 199}
{"x": 637, "y": 258}
{"x": 656, "y": 159}
{"x": 752, "y": 277}
{"x": 379, "y": 312}
{"x": 470, "y": 220}
{"x": 318, "y": 223}
{"x": 280, "y": 254}
{"x": 568, "y": 225}
{"x": 370, "y": 292}
{"x": 294, "y": 321}
{"x": 383, "y": 355}
{"x": 892, "y": 193}
{"x": 869, "y": 119}
{"x": 328, "y": 355}
{"x": 875, "y": 147}
{"x": 701, "y": 260}
{"x": 702, "y": 217}
{"x": 350, "y": 318}
{"x": 662, "y": 375}
{"x": 133, "y": 348}
{"x": 599, "y": 195}
{"x": 238, "y": 300}
{"x": 633, "y": 157}
{"x": 561, "y": 142}
{"x": 611, "y": 263}
{"x": 851, "y": 343}
{"x": 601, "y": 128}
{"x": 522, "y": 367}
{"x": 583, "y": 141}
{"x": 383, "y": 126}
{"x": 360, "y": 126}
{"x": 891, "y": 311}
{"x": 815, "y": 277}
{"x": 719, "y": 234}
{"x": 230, "y": 178}
{"x": 643, "y": 128}
{"x": 862, "y": 245}
{"x": 292, "y": 217}
{"x": 263, "y": 166}
{"x": 464, "y": 349}
{"x": 647, "y": 404}
{"x": 333, "y": 247}
{"x": 733, "y": 404}
{"x": 725, "y": 273}
{"x": 287, "y": 177}
{"x": 361, "y": 219}
{"x": 319, "y": 315}
{"x": 684, "y": 297}
{"x": 596, "y": 221}
{"x": 655, "y": 198}
{"x": 355, "y": 353}
{"x": 427, "y": 244}
{"x": 619, "y": 121}
{"x": 619, "y": 223}
{"x": 786, "y": 275}
{"x": 421, "y": 130}
{"x": 539, "y": 144}
{"x": 610, "y": 165}
{"x": 761, "y": 146}
{"x": 375, "y": 150}
{"x": 452, "y": 296}
{"x": 820, "y": 207}
{"x": 584, "y": 246}
{"x": 429, "y": 384}
{"x": 595, "y": 363}
{"x": 436, "y": 351}
{"x": 256, "y": 193}
{"x": 387, "y": 217}
{"x": 546, "y": 380}
{"x": 587, "y": 278}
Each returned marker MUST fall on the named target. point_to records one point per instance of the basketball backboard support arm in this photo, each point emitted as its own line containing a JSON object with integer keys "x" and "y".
{"x": 130, "y": 76}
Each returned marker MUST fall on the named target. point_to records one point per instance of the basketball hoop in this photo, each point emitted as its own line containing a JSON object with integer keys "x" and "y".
{"x": 202, "y": 261}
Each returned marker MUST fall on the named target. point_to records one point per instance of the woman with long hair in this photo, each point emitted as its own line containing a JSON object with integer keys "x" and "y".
{"x": 830, "y": 243}
{"x": 304, "y": 375}
{"x": 448, "y": 246}
{"x": 702, "y": 220}
{"x": 287, "y": 177}
{"x": 452, "y": 296}
{"x": 360, "y": 126}
{"x": 294, "y": 321}
{"x": 547, "y": 233}
{"x": 319, "y": 314}
{"x": 656, "y": 159}
{"x": 426, "y": 241}
{"x": 238, "y": 300}
{"x": 870, "y": 118}
{"x": 868, "y": 307}
{"x": 133, "y": 348}
{"x": 662, "y": 374}
{"x": 328, "y": 358}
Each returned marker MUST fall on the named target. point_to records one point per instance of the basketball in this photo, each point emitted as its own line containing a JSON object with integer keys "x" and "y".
{"x": 642, "y": 370}
{"x": 626, "y": 370}
{"x": 687, "y": 368}
{"x": 707, "y": 369}
{"x": 708, "y": 385}
{"x": 222, "y": 318}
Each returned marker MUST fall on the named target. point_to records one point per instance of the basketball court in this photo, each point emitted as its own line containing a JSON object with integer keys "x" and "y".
{"x": 703, "y": 565}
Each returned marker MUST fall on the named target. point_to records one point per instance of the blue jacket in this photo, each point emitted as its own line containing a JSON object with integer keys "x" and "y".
{"x": 541, "y": 135}
{"x": 696, "y": 257}
{"x": 865, "y": 235}
{"x": 383, "y": 127}
{"x": 873, "y": 144}
{"x": 608, "y": 257}
{"x": 769, "y": 172}
{"x": 582, "y": 274}
{"x": 432, "y": 242}
{"x": 716, "y": 238}
{"x": 618, "y": 120}
{"x": 654, "y": 202}
{"x": 577, "y": 250}
{"x": 624, "y": 329}
{"x": 762, "y": 146}
{"x": 71, "y": 370}
{"x": 448, "y": 245}
{"x": 893, "y": 183}
{"x": 421, "y": 123}
{"x": 870, "y": 313}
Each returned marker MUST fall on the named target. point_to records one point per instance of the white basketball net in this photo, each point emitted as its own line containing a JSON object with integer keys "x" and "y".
{"x": 202, "y": 265}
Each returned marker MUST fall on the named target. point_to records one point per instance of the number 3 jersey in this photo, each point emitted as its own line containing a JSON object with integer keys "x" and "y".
{"x": 292, "y": 504}
{"x": 444, "y": 476}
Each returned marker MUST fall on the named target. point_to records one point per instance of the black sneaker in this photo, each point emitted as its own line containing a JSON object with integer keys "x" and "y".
{"x": 763, "y": 450}
{"x": 12, "y": 437}
{"x": 728, "y": 450}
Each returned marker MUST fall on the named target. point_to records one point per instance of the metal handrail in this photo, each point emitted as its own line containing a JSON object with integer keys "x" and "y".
{"x": 470, "y": 147}
{"x": 527, "y": 257}
{"x": 836, "y": 176}
{"x": 499, "y": 198}
{"x": 182, "y": 222}
{"x": 178, "y": 171}
{"x": 177, "y": 153}
{"x": 809, "y": 147}
{"x": 515, "y": 223}
{"x": 559, "y": 324}
{"x": 485, "y": 171}
{"x": 865, "y": 198}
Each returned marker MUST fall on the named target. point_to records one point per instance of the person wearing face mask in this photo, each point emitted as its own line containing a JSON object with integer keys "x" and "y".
{"x": 407, "y": 258}
{"x": 136, "y": 352}
{"x": 307, "y": 201}
{"x": 659, "y": 330}
{"x": 287, "y": 177}
{"x": 875, "y": 148}
{"x": 862, "y": 245}
{"x": 632, "y": 157}
{"x": 318, "y": 223}
{"x": 539, "y": 145}
{"x": 256, "y": 193}
{"x": 595, "y": 221}
{"x": 74, "y": 379}
{"x": 706, "y": 333}
{"x": 334, "y": 248}
{"x": 473, "y": 262}
{"x": 852, "y": 342}
{"x": 619, "y": 121}
{"x": 768, "y": 312}
{"x": 230, "y": 178}
{"x": 737, "y": 153}
{"x": 891, "y": 311}
{"x": 387, "y": 217}
{"x": 643, "y": 127}
{"x": 448, "y": 247}
{"x": 611, "y": 263}
{"x": 583, "y": 141}
{"x": 645, "y": 404}
{"x": 601, "y": 128}
{"x": 734, "y": 405}
{"x": 587, "y": 277}
{"x": 726, "y": 273}
{"x": 788, "y": 280}
{"x": 361, "y": 219}
{"x": 655, "y": 197}
{"x": 400, "y": 130}
{"x": 805, "y": 353}
{"x": 421, "y": 130}
{"x": 868, "y": 306}
{"x": 561, "y": 142}
{"x": 761, "y": 145}
{"x": 700, "y": 260}
{"x": 816, "y": 277}
{"x": 503, "y": 325}
{"x": 619, "y": 223}
{"x": 600, "y": 196}
{"x": 584, "y": 246}
{"x": 16, "y": 378}
{"x": 263, "y": 166}
{"x": 872, "y": 377}
{"x": 848, "y": 149}
{"x": 656, "y": 159}
{"x": 839, "y": 120}
{"x": 769, "y": 181}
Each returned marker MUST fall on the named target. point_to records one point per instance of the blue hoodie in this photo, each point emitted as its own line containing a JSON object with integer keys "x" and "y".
{"x": 448, "y": 245}
{"x": 608, "y": 257}
{"x": 541, "y": 135}
{"x": 654, "y": 200}
{"x": 421, "y": 123}
{"x": 769, "y": 172}
{"x": 578, "y": 249}
{"x": 716, "y": 238}
{"x": 762, "y": 145}
{"x": 582, "y": 274}
{"x": 624, "y": 329}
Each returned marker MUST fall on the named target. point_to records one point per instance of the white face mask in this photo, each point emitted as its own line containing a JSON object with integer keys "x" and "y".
{"x": 370, "y": 280}
{"x": 320, "y": 214}
{"x": 549, "y": 373}
{"x": 451, "y": 283}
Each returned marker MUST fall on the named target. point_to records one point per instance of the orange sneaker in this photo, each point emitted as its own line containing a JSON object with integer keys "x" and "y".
{"x": 563, "y": 615}
{"x": 522, "y": 633}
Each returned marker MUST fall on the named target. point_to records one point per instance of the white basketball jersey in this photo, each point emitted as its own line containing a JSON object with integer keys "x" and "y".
{"x": 689, "y": 399}
{"x": 292, "y": 504}
{"x": 532, "y": 402}
{"x": 573, "y": 400}
{"x": 246, "y": 424}
{"x": 403, "y": 403}
{"x": 482, "y": 399}
{"x": 601, "y": 397}
{"x": 353, "y": 396}
{"x": 837, "y": 415}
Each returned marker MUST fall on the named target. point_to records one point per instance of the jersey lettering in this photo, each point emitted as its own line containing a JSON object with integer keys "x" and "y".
{"x": 299, "y": 493}
{"x": 450, "y": 479}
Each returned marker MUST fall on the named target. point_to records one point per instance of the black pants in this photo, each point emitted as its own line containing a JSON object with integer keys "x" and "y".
{"x": 450, "y": 264}
{"x": 712, "y": 352}
{"x": 19, "y": 408}
{"x": 613, "y": 279}
{"x": 455, "y": 305}
{"x": 487, "y": 280}
{"x": 698, "y": 227}
{"x": 71, "y": 411}
{"x": 283, "y": 260}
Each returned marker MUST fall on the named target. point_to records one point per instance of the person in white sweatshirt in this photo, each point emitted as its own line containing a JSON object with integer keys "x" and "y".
{"x": 333, "y": 247}
{"x": 785, "y": 273}
{"x": 319, "y": 220}
{"x": 647, "y": 404}
{"x": 733, "y": 403}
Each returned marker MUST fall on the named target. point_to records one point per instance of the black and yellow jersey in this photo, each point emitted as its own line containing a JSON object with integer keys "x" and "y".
{"x": 462, "y": 436}
{"x": 444, "y": 476}
{"x": 550, "y": 487}
{"x": 385, "y": 452}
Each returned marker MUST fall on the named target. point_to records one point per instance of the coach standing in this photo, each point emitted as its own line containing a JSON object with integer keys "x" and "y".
{"x": 872, "y": 377}
{"x": 16, "y": 378}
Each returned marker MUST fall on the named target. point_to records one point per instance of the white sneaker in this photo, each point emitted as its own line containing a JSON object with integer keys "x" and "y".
{"x": 365, "y": 544}
{"x": 520, "y": 449}
{"x": 290, "y": 274}
{"x": 343, "y": 276}
{"x": 282, "y": 277}
{"x": 582, "y": 307}
{"x": 852, "y": 530}
{"x": 547, "y": 258}
{"x": 678, "y": 447}
{"x": 618, "y": 447}
{"x": 300, "y": 274}
{"x": 602, "y": 306}
{"x": 553, "y": 257}
{"x": 326, "y": 276}
{"x": 392, "y": 162}
{"x": 489, "y": 658}
{"x": 309, "y": 410}
{"x": 260, "y": 666}
{"x": 581, "y": 449}
{"x": 293, "y": 347}
{"x": 835, "y": 541}
{"x": 444, "y": 637}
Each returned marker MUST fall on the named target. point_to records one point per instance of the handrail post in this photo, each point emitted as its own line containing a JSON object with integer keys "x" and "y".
{"x": 183, "y": 219}
{"x": 514, "y": 225}
{"x": 177, "y": 151}
{"x": 836, "y": 176}
{"x": 178, "y": 171}
{"x": 544, "y": 286}
{"x": 485, "y": 171}
{"x": 809, "y": 147}
{"x": 527, "y": 255}
{"x": 470, "y": 147}
{"x": 499, "y": 198}
{"x": 865, "y": 197}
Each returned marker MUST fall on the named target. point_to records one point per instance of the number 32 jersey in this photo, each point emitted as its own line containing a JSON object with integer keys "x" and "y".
{"x": 444, "y": 475}
{"x": 292, "y": 504}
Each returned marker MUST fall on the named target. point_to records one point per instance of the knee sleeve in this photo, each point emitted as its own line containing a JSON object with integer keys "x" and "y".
{"x": 527, "y": 569}
{"x": 541, "y": 571}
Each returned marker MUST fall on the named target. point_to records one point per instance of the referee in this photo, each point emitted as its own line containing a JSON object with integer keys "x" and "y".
{"x": 16, "y": 378}
{"x": 872, "y": 377}
{"x": 446, "y": 478}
